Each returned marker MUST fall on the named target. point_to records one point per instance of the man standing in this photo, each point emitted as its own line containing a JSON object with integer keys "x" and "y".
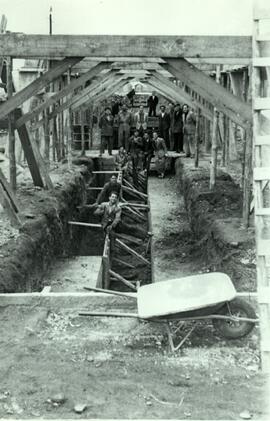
{"x": 109, "y": 187}
{"x": 177, "y": 129}
{"x": 152, "y": 103}
{"x": 141, "y": 120}
{"x": 164, "y": 124}
{"x": 189, "y": 120}
{"x": 106, "y": 126}
{"x": 110, "y": 213}
{"x": 125, "y": 119}
{"x": 148, "y": 150}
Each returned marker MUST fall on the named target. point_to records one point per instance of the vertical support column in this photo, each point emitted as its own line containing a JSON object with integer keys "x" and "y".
{"x": 197, "y": 137}
{"x": 69, "y": 125}
{"x": 11, "y": 131}
{"x": 247, "y": 182}
{"x": 261, "y": 177}
{"x": 213, "y": 163}
{"x": 82, "y": 132}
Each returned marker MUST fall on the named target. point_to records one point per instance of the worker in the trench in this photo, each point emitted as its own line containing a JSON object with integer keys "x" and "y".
{"x": 108, "y": 188}
{"x": 110, "y": 212}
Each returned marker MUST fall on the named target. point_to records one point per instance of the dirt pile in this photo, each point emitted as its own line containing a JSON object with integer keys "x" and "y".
{"x": 216, "y": 223}
{"x": 45, "y": 233}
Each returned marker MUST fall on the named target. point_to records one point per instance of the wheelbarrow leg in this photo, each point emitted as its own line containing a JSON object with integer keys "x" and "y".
{"x": 171, "y": 333}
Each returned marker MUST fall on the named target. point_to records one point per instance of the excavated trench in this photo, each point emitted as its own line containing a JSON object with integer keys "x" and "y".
{"x": 50, "y": 252}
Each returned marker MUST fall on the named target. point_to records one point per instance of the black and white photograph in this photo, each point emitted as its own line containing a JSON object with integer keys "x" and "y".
{"x": 134, "y": 210}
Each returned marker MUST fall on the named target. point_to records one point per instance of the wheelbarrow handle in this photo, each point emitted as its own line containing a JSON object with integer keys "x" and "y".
{"x": 109, "y": 291}
{"x": 104, "y": 314}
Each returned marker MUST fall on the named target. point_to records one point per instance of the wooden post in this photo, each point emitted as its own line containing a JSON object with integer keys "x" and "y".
{"x": 82, "y": 132}
{"x": 46, "y": 129}
{"x": 247, "y": 182}
{"x": 69, "y": 126}
{"x": 213, "y": 163}
{"x": 11, "y": 131}
{"x": 197, "y": 138}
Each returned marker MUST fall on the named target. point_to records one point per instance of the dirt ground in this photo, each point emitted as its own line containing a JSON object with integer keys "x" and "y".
{"x": 119, "y": 369}
{"x": 122, "y": 368}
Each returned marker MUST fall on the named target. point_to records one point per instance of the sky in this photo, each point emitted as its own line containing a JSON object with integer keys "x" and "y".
{"x": 130, "y": 17}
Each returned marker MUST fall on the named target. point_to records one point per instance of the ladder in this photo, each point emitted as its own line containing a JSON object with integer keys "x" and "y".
{"x": 261, "y": 169}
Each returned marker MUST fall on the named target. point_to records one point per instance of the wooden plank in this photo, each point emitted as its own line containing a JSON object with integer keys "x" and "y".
{"x": 124, "y": 263}
{"x": 20, "y": 97}
{"x": 260, "y": 11}
{"x": 261, "y": 104}
{"x": 263, "y": 211}
{"x": 8, "y": 207}
{"x": 237, "y": 110}
{"x": 261, "y": 62}
{"x": 107, "y": 82}
{"x": 263, "y": 247}
{"x": 28, "y": 152}
{"x": 44, "y": 171}
{"x": 85, "y": 224}
{"x": 11, "y": 130}
{"x": 64, "y": 92}
{"x": 21, "y": 45}
{"x": 10, "y": 193}
{"x": 263, "y": 37}
{"x": 262, "y": 140}
{"x": 181, "y": 95}
{"x": 122, "y": 279}
{"x": 69, "y": 102}
{"x": 261, "y": 173}
{"x": 131, "y": 251}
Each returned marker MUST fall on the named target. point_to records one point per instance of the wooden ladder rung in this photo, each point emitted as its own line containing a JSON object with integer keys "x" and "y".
{"x": 262, "y": 212}
{"x": 262, "y": 140}
{"x": 261, "y": 104}
{"x": 261, "y": 173}
{"x": 263, "y": 37}
{"x": 263, "y": 247}
{"x": 261, "y": 13}
{"x": 261, "y": 61}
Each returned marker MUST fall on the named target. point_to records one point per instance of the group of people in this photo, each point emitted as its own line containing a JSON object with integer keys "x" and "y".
{"x": 141, "y": 150}
{"x": 175, "y": 131}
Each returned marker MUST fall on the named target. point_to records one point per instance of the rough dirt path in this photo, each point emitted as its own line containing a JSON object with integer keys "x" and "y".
{"x": 172, "y": 242}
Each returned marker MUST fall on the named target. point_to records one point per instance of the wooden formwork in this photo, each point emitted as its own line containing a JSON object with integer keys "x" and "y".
{"x": 261, "y": 177}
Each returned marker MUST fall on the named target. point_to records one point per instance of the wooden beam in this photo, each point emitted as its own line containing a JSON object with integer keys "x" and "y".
{"x": 64, "y": 92}
{"x": 185, "y": 97}
{"x": 237, "y": 110}
{"x": 20, "y": 97}
{"x": 69, "y": 102}
{"x": 103, "y": 85}
{"x": 9, "y": 202}
{"x": 104, "y": 94}
{"x": 22, "y": 45}
{"x": 28, "y": 152}
{"x": 11, "y": 131}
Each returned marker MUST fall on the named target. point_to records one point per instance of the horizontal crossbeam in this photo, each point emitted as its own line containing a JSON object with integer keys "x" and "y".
{"x": 22, "y": 45}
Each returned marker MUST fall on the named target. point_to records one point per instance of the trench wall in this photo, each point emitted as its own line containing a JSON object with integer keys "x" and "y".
{"x": 46, "y": 234}
{"x": 216, "y": 223}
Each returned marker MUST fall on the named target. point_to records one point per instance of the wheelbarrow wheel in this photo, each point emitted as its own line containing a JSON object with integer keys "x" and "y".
{"x": 235, "y": 329}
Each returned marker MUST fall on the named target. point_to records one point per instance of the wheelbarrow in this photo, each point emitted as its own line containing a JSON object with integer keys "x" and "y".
{"x": 192, "y": 298}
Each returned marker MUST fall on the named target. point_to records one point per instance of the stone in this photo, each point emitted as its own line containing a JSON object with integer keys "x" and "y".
{"x": 246, "y": 415}
{"x": 79, "y": 408}
{"x": 58, "y": 398}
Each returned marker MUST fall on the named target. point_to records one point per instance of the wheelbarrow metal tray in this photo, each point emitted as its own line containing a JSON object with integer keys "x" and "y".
{"x": 184, "y": 295}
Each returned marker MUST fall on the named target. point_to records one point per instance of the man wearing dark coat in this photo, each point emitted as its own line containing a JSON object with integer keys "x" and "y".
{"x": 152, "y": 103}
{"x": 106, "y": 126}
{"x": 164, "y": 123}
{"x": 177, "y": 129}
